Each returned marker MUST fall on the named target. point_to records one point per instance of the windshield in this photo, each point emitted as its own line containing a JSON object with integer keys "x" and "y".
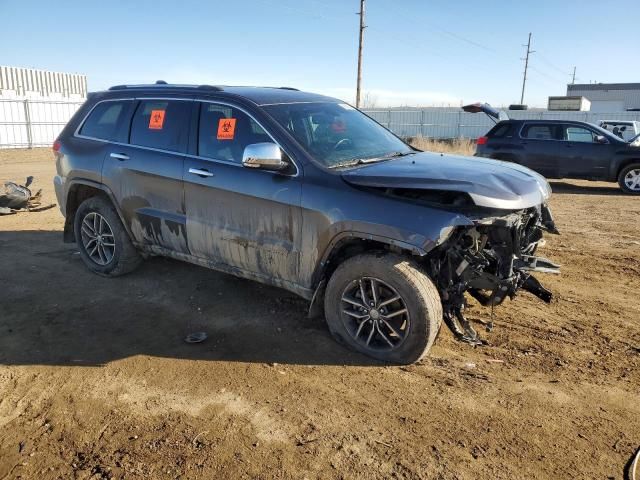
{"x": 336, "y": 134}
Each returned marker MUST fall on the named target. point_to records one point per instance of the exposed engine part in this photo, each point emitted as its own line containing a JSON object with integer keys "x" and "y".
{"x": 491, "y": 261}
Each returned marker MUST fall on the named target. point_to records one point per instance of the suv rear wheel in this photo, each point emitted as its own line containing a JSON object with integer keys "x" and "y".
{"x": 384, "y": 306}
{"x": 629, "y": 179}
{"x": 105, "y": 246}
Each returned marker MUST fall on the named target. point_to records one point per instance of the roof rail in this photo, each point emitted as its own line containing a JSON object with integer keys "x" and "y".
{"x": 163, "y": 84}
{"x": 289, "y": 88}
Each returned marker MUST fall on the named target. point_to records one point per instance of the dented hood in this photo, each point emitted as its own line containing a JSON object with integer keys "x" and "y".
{"x": 489, "y": 183}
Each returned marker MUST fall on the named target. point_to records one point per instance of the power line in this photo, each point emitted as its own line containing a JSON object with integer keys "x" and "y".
{"x": 550, "y": 64}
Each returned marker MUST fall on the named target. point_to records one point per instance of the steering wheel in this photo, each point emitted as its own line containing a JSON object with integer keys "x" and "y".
{"x": 341, "y": 142}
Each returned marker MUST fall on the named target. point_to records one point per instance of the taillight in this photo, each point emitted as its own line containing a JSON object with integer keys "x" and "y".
{"x": 56, "y": 146}
{"x": 482, "y": 140}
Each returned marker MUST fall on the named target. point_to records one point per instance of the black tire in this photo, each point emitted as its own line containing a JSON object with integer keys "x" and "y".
{"x": 113, "y": 261}
{"x": 395, "y": 276}
{"x": 622, "y": 179}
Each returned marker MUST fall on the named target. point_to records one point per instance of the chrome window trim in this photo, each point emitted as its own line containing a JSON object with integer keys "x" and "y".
{"x": 553, "y": 139}
{"x": 186, "y": 155}
{"x": 232, "y": 105}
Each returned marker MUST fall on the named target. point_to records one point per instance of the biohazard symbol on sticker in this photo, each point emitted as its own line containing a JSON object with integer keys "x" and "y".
{"x": 156, "y": 119}
{"x": 226, "y": 128}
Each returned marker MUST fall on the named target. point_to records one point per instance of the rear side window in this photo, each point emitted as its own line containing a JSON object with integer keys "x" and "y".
{"x": 541, "y": 131}
{"x": 500, "y": 131}
{"x": 225, "y": 131}
{"x": 161, "y": 124}
{"x": 108, "y": 121}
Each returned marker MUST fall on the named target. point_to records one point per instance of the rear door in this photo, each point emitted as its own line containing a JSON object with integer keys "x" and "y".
{"x": 542, "y": 150}
{"x": 586, "y": 157}
{"x": 145, "y": 173}
{"x": 243, "y": 218}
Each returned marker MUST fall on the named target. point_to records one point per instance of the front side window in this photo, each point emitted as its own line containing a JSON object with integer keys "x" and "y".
{"x": 225, "y": 131}
{"x": 578, "y": 134}
{"x": 108, "y": 120}
{"x": 161, "y": 124}
{"x": 337, "y": 134}
{"x": 541, "y": 132}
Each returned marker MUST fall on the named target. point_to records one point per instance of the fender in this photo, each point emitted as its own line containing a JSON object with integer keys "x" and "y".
{"x": 621, "y": 162}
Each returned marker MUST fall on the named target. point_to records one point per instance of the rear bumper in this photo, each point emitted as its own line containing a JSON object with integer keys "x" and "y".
{"x": 58, "y": 185}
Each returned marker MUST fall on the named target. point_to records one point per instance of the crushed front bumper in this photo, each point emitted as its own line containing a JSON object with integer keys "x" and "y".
{"x": 491, "y": 261}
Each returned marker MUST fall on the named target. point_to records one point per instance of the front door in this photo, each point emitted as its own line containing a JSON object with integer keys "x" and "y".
{"x": 145, "y": 174}
{"x": 586, "y": 157}
{"x": 241, "y": 219}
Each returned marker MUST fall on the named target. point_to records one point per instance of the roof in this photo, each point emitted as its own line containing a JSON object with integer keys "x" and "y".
{"x": 257, "y": 95}
{"x": 603, "y": 86}
{"x": 537, "y": 120}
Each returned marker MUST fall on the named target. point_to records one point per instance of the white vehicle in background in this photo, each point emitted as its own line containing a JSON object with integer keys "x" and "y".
{"x": 625, "y": 129}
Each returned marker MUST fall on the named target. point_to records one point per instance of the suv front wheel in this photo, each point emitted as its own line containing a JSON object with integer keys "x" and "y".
{"x": 105, "y": 246}
{"x": 384, "y": 306}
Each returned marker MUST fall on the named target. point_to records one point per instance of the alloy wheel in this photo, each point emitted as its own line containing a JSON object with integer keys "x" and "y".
{"x": 374, "y": 314}
{"x": 97, "y": 238}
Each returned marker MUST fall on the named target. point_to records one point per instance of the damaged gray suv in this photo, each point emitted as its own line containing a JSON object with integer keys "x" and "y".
{"x": 306, "y": 193}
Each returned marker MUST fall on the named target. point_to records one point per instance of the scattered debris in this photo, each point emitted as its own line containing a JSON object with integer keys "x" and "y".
{"x": 494, "y": 360}
{"x": 383, "y": 443}
{"x": 18, "y": 197}
{"x": 196, "y": 337}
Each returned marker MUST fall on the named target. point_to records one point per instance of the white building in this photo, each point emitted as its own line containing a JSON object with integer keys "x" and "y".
{"x": 36, "y": 104}
{"x": 608, "y": 97}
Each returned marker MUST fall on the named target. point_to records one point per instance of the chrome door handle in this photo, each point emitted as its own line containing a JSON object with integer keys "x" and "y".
{"x": 119, "y": 156}
{"x": 201, "y": 173}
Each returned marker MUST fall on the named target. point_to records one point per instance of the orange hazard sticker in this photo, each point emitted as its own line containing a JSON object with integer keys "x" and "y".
{"x": 226, "y": 128}
{"x": 156, "y": 119}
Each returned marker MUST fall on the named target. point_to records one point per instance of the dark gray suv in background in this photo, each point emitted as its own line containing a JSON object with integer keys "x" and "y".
{"x": 306, "y": 193}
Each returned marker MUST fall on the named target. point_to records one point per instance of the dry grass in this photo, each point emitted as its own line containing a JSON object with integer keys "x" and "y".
{"x": 459, "y": 146}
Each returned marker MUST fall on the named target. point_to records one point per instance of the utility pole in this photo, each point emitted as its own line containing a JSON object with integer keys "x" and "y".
{"x": 526, "y": 67}
{"x": 573, "y": 78}
{"x": 362, "y": 27}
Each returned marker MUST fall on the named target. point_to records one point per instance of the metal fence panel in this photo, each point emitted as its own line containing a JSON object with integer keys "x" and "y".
{"x": 33, "y": 123}
{"x": 447, "y": 123}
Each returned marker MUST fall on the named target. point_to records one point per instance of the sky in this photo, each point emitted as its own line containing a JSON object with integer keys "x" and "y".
{"x": 416, "y": 53}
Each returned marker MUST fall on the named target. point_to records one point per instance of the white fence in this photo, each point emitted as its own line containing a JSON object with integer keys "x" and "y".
{"x": 454, "y": 123}
{"x": 33, "y": 123}
{"x": 36, "y": 123}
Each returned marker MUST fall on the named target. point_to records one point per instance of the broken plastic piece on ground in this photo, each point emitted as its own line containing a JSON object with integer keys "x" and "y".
{"x": 196, "y": 337}
{"x": 18, "y": 197}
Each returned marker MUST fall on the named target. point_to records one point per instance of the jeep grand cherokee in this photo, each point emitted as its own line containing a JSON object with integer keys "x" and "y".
{"x": 306, "y": 193}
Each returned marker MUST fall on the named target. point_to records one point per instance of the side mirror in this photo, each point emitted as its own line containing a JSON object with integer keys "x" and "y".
{"x": 601, "y": 139}
{"x": 267, "y": 156}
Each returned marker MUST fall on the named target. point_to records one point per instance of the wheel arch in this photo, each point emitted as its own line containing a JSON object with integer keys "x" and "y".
{"x": 80, "y": 190}
{"x": 349, "y": 244}
{"x": 624, "y": 164}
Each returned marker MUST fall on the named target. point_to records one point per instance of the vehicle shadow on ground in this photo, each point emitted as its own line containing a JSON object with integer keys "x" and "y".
{"x": 565, "y": 187}
{"x": 53, "y": 311}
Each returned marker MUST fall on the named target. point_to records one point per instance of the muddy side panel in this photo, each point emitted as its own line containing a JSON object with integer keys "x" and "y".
{"x": 244, "y": 218}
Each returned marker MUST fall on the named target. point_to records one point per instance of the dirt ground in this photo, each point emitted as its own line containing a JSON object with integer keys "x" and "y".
{"x": 96, "y": 381}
